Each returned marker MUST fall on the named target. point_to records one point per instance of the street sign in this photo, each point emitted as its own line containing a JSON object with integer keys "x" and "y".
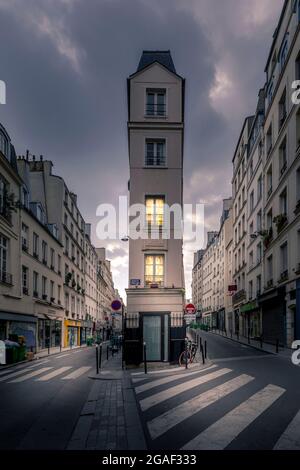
{"x": 135, "y": 282}
{"x": 189, "y": 319}
{"x": 190, "y": 309}
{"x": 116, "y": 305}
{"x": 232, "y": 288}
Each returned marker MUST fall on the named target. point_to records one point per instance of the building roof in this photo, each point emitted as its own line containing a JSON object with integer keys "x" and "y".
{"x": 162, "y": 57}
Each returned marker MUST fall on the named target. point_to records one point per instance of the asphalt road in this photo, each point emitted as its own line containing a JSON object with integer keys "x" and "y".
{"x": 41, "y": 401}
{"x": 245, "y": 400}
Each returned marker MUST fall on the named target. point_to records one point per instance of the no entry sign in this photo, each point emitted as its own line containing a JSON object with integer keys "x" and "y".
{"x": 116, "y": 305}
{"x": 190, "y": 309}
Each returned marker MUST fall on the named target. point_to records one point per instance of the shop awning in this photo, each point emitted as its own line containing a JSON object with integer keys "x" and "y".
{"x": 17, "y": 317}
{"x": 249, "y": 307}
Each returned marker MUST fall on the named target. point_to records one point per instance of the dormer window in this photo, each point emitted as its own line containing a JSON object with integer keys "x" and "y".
{"x": 4, "y": 145}
{"x": 156, "y": 102}
{"x": 155, "y": 153}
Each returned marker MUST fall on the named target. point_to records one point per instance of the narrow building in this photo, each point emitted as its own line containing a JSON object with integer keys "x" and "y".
{"x": 155, "y": 297}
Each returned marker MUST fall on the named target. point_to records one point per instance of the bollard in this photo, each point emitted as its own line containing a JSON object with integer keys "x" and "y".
{"x": 202, "y": 352}
{"x": 277, "y": 346}
{"x": 60, "y": 347}
{"x": 205, "y": 349}
{"x": 248, "y": 337}
{"x": 97, "y": 359}
{"x": 238, "y": 335}
{"x": 100, "y": 355}
{"x": 186, "y": 354}
{"x": 145, "y": 358}
{"x": 107, "y": 350}
{"x": 231, "y": 334}
{"x": 261, "y": 342}
{"x": 48, "y": 346}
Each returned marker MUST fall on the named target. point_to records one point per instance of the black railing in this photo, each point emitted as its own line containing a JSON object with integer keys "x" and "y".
{"x": 6, "y": 278}
{"x": 151, "y": 160}
{"x": 156, "y": 109}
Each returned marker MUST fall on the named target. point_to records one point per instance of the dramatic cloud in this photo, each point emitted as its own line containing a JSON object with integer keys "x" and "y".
{"x": 65, "y": 63}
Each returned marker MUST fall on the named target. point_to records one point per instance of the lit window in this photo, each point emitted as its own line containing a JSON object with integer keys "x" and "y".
{"x": 155, "y": 212}
{"x": 154, "y": 270}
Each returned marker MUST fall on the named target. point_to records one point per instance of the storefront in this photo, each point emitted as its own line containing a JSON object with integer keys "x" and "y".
{"x": 273, "y": 306}
{"x": 49, "y": 333}
{"x": 20, "y": 325}
{"x": 72, "y": 333}
{"x": 251, "y": 320}
{"x": 86, "y": 330}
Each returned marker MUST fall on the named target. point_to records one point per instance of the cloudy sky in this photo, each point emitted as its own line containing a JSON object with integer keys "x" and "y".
{"x": 65, "y": 64}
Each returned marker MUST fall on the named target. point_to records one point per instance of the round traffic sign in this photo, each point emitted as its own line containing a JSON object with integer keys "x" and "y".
{"x": 116, "y": 305}
{"x": 190, "y": 309}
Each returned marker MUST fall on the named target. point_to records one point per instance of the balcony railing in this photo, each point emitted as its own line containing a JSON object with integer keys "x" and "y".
{"x": 6, "y": 278}
{"x": 239, "y": 296}
{"x": 154, "y": 281}
{"x": 156, "y": 109}
{"x": 152, "y": 160}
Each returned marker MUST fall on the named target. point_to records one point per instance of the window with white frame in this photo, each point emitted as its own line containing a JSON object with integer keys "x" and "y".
{"x": 44, "y": 252}
{"x": 155, "y": 102}
{"x": 284, "y": 258}
{"x": 155, "y": 152}
{"x": 35, "y": 243}
{"x": 155, "y": 212}
{"x": 283, "y": 202}
{"x": 270, "y": 269}
{"x": 24, "y": 235}
{"x": 259, "y": 188}
{"x": 154, "y": 270}
{"x": 282, "y": 157}
{"x": 282, "y": 109}
{"x": 44, "y": 286}
{"x": 259, "y": 253}
{"x": 35, "y": 284}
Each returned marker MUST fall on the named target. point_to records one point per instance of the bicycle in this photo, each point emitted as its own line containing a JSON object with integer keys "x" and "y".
{"x": 189, "y": 354}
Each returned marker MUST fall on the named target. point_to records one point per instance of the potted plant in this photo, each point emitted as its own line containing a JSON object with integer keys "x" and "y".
{"x": 267, "y": 237}
{"x": 73, "y": 283}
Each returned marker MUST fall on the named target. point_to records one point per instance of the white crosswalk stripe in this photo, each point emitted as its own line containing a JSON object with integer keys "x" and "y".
{"x": 160, "y": 397}
{"x": 220, "y": 434}
{"x": 165, "y": 380}
{"x": 176, "y": 415}
{"x": 76, "y": 373}
{"x": 30, "y": 375}
{"x": 53, "y": 374}
{"x": 290, "y": 439}
{"x": 15, "y": 374}
{"x": 22, "y": 367}
{"x": 62, "y": 355}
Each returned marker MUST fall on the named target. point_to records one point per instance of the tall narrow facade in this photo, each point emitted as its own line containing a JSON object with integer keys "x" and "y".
{"x": 155, "y": 295}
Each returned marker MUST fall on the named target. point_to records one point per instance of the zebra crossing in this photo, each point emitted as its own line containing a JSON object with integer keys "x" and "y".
{"x": 38, "y": 373}
{"x": 176, "y": 402}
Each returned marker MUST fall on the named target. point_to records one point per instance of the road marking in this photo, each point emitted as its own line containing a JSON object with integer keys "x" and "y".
{"x": 290, "y": 439}
{"x": 163, "y": 371}
{"x": 244, "y": 358}
{"x": 171, "y": 418}
{"x": 22, "y": 367}
{"x": 15, "y": 374}
{"x": 53, "y": 374}
{"x": 160, "y": 397}
{"x": 63, "y": 355}
{"x": 77, "y": 373}
{"x": 165, "y": 380}
{"x": 29, "y": 376}
{"x": 220, "y": 434}
{"x": 76, "y": 352}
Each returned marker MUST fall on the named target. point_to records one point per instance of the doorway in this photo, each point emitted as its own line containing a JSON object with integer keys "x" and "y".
{"x": 155, "y": 329}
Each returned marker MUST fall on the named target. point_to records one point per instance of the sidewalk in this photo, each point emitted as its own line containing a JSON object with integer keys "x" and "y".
{"x": 265, "y": 347}
{"x": 109, "y": 420}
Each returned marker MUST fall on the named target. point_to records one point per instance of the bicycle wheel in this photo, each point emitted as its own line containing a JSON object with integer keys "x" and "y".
{"x": 185, "y": 357}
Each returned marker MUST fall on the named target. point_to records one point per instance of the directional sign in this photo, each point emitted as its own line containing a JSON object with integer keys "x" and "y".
{"x": 116, "y": 305}
{"x": 135, "y": 282}
{"x": 190, "y": 309}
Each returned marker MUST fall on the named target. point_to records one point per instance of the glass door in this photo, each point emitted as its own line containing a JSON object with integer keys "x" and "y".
{"x": 152, "y": 336}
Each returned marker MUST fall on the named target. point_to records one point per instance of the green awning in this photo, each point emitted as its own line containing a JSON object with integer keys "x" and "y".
{"x": 249, "y": 307}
